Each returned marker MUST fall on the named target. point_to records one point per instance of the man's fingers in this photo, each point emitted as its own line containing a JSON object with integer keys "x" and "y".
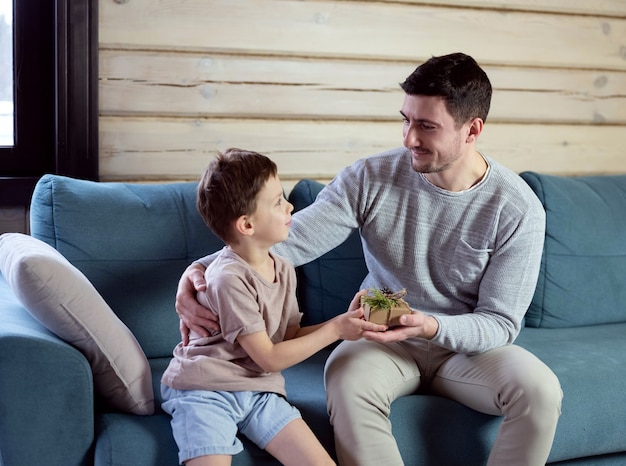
{"x": 184, "y": 332}
{"x": 196, "y": 276}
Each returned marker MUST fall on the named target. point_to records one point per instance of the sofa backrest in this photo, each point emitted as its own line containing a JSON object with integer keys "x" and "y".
{"x": 327, "y": 285}
{"x": 132, "y": 241}
{"x": 583, "y": 270}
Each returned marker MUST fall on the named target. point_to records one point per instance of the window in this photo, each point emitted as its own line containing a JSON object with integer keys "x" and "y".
{"x": 6, "y": 78}
{"x": 54, "y": 95}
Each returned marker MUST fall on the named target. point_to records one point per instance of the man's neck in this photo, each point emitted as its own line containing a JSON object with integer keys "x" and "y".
{"x": 462, "y": 175}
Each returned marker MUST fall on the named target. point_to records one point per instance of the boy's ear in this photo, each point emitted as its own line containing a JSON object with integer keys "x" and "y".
{"x": 243, "y": 226}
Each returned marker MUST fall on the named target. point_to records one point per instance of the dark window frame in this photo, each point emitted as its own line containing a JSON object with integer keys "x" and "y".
{"x": 56, "y": 96}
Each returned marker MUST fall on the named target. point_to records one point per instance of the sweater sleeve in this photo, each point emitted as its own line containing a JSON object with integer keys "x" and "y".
{"x": 324, "y": 224}
{"x": 504, "y": 294}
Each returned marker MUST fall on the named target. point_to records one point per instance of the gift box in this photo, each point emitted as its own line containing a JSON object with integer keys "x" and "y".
{"x": 384, "y": 307}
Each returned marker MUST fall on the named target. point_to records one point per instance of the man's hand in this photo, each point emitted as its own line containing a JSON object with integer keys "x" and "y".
{"x": 416, "y": 324}
{"x": 192, "y": 314}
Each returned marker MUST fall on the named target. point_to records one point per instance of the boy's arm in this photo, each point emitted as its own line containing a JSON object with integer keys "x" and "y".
{"x": 302, "y": 342}
{"x": 274, "y": 357}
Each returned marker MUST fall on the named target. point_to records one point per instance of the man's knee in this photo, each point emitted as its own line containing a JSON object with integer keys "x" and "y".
{"x": 539, "y": 387}
{"x": 546, "y": 394}
{"x": 341, "y": 371}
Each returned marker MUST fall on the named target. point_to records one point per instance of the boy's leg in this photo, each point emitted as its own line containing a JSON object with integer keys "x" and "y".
{"x": 297, "y": 445}
{"x": 210, "y": 460}
{"x": 276, "y": 426}
{"x": 203, "y": 424}
{"x": 513, "y": 383}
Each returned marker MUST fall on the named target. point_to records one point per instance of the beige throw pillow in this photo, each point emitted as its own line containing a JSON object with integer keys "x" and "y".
{"x": 61, "y": 298}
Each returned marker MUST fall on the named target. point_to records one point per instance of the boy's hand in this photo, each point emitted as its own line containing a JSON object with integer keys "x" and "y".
{"x": 351, "y": 324}
{"x": 356, "y": 301}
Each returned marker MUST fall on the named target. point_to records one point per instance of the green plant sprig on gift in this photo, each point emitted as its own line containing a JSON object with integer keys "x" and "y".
{"x": 381, "y": 299}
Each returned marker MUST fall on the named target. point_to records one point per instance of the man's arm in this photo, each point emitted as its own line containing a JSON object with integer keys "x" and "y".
{"x": 315, "y": 230}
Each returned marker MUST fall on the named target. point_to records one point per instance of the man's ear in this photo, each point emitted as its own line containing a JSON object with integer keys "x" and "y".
{"x": 243, "y": 226}
{"x": 474, "y": 129}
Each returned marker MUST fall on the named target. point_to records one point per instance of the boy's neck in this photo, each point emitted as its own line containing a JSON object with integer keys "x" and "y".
{"x": 257, "y": 258}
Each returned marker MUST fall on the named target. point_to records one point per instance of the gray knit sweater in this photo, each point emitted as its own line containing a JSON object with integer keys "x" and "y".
{"x": 470, "y": 259}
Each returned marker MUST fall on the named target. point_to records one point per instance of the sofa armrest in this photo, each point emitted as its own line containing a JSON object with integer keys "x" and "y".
{"x": 46, "y": 393}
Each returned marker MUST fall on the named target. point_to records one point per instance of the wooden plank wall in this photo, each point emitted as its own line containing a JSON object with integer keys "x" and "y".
{"x": 314, "y": 83}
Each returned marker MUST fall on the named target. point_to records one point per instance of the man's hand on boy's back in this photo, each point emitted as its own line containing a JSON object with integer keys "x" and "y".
{"x": 193, "y": 316}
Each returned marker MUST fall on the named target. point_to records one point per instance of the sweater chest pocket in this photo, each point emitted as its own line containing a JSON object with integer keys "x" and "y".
{"x": 468, "y": 263}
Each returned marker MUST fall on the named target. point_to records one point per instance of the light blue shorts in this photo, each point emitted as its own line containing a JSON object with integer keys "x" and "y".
{"x": 206, "y": 422}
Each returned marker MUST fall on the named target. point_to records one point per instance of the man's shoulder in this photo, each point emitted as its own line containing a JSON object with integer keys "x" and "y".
{"x": 378, "y": 170}
{"x": 383, "y": 159}
{"x": 511, "y": 187}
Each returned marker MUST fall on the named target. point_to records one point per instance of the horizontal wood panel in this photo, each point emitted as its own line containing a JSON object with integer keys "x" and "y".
{"x": 585, "y": 7}
{"x": 365, "y": 29}
{"x": 176, "y": 149}
{"x": 14, "y": 220}
{"x": 276, "y": 87}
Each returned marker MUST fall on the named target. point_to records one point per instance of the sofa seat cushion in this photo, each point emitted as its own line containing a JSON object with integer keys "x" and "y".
{"x": 581, "y": 281}
{"x": 61, "y": 298}
{"x": 118, "y": 434}
{"x": 589, "y": 362}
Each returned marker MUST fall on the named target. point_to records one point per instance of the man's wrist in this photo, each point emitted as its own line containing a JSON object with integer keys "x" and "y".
{"x": 432, "y": 327}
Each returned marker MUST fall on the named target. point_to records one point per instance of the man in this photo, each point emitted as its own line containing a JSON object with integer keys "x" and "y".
{"x": 464, "y": 236}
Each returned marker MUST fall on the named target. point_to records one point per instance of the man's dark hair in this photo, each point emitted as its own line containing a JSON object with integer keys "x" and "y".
{"x": 457, "y": 78}
{"x": 229, "y": 187}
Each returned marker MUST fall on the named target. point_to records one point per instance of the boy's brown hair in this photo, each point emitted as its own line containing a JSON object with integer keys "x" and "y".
{"x": 229, "y": 187}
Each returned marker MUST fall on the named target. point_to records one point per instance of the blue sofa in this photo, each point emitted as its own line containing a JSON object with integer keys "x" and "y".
{"x": 133, "y": 242}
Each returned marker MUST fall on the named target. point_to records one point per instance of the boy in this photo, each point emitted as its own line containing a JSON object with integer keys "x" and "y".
{"x": 231, "y": 380}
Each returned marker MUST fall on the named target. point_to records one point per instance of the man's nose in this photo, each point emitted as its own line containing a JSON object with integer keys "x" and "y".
{"x": 411, "y": 137}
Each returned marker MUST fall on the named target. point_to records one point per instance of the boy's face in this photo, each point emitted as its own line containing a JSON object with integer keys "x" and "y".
{"x": 272, "y": 217}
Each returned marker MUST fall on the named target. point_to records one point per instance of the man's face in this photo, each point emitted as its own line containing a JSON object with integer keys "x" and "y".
{"x": 430, "y": 133}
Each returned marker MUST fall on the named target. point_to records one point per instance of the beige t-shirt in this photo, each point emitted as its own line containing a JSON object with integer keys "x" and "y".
{"x": 245, "y": 303}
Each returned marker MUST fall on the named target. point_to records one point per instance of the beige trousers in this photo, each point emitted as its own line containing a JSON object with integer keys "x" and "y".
{"x": 363, "y": 378}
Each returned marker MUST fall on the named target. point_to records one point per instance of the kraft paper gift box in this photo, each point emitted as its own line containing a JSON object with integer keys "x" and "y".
{"x": 384, "y": 307}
